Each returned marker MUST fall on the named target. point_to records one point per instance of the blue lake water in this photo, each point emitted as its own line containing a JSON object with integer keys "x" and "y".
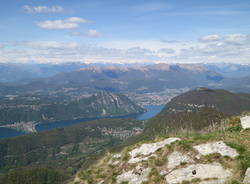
{"x": 151, "y": 111}
{"x": 8, "y": 132}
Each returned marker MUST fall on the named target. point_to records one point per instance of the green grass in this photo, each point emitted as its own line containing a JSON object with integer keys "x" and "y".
{"x": 124, "y": 182}
{"x": 240, "y": 148}
{"x": 185, "y": 145}
{"x": 245, "y": 161}
{"x": 235, "y": 182}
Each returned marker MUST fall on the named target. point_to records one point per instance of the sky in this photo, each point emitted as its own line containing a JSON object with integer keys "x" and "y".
{"x": 125, "y": 31}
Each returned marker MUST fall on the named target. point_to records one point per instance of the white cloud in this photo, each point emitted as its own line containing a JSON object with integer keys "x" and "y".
{"x": 233, "y": 48}
{"x": 236, "y": 38}
{"x": 76, "y": 20}
{"x": 166, "y": 51}
{"x": 69, "y": 23}
{"x": 53, "y": 45}
{"x": 93, "y": 33}
{"x": 210, "y": 38}
{"x": 42, "y": 9}
{"x": 230, "y": 38}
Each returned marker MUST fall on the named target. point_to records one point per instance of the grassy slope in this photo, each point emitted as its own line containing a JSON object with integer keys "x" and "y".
{"x": 232, "y": 135}
{"x": 65, "y": 148}
{"x": 183, "y": 121}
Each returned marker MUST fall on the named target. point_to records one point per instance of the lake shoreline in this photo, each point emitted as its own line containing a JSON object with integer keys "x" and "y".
{"x": 27, "y": 127}
{"x": 31, "y": 127}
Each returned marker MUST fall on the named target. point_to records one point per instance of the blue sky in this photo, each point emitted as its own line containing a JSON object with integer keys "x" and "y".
{"x": 124, "y": 30}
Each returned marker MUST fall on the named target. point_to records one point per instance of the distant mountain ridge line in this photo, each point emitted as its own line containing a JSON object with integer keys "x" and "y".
{"x": 102, "y": 104}
{"x": 122, "y": 78}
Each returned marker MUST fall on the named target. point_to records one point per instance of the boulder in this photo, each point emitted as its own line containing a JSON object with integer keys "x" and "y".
{"x": 247, "y": 177}
{"x": 147, "y": 149}
{"x": 132, "y": 177}
{"x": 177, "y": 158}
{"x": 245, "y": 122}
{"x": 216, "y": 147}
{"x": 213, "y": 171}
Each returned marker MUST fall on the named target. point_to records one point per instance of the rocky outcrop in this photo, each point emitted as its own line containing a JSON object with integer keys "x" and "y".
{"x": 138, "y": 154}
{"x": 216, "y": 147}
{"x": 217, "y": 157}
{"x": 200, "y": 172}
{"x": 177, "y": 158}
{"x": 146, "y": 163}
{"x": 245, "y": 122}
{"x": 247, "y": 177}
{"x": 137, "y": 176}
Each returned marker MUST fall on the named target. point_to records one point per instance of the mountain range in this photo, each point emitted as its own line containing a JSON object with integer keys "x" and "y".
{"x": 89, "y": 78}
{"x": 139, "y": 79}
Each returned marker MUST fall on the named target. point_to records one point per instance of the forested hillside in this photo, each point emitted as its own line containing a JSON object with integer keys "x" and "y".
{"x": 40, "y": 109}
{"x": 66, "y": 148}
{"x": 197, "y": 110}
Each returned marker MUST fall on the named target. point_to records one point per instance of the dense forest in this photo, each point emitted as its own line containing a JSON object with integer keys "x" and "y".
{"x": 66, "y": 148}
{"x": 36, "y": 175}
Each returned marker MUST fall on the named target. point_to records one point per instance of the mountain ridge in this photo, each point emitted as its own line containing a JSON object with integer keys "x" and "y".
{"x": 102, "y": 104}
{"x": 201, "y": 109}
{"x": 124, "y": 79}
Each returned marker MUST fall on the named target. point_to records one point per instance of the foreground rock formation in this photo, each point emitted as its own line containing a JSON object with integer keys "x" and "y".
{"x": 213, "y": 172}
{"x": 216, "y": 147}
{"x": 247, "y": 177}
{"x": 143, "y": 163}
{"x": 219, "y": 157}
{"x": 138, "y": 154}
{"x": 134, "y": 178}
{"x": 245, "y": 122}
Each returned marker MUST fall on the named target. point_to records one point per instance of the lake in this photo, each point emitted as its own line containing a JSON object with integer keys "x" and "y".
{"x": 151, "y": 111}
{"x": 8, "y": 132}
